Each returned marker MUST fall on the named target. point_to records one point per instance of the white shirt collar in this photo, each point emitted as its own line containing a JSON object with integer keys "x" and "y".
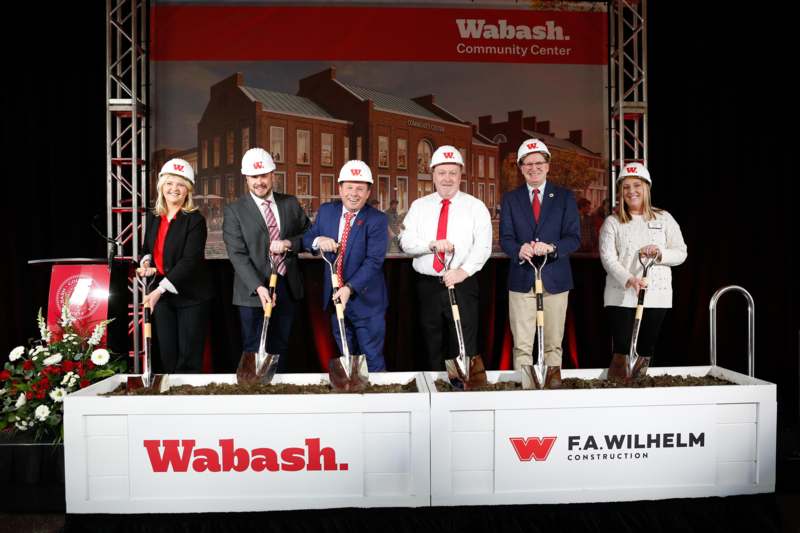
{"x": 258, "y": 201}
{"x": 540, "y": 187}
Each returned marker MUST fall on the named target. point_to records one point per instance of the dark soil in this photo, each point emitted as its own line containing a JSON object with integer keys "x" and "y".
{"x": 213, "y": 389}
{"x": 576, "y": 383}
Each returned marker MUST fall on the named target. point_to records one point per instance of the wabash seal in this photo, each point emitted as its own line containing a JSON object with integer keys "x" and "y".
{"x": 83, "y": 295}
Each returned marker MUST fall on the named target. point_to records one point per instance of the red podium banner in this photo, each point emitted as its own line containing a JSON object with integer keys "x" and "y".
{"x": 86, "y": 288}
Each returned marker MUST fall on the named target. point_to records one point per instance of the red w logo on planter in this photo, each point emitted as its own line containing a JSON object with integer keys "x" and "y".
{"x": 448, "y": 155}
{"x": 531, "y": 146}
{"x": 533, "y": 447}
{"x": 258, "y": 164}
{"x": 632, "y": 170}
{"x": 177, "y": 167}
{"x": 355, "y": 171}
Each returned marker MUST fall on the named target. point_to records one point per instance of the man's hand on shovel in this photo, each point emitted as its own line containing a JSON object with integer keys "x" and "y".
{"x": 343, "y": 294}
{"x": 263, "y": 294}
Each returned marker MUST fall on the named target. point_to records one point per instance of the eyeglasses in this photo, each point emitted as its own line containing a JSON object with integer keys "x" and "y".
{"x": 539, "y": 164}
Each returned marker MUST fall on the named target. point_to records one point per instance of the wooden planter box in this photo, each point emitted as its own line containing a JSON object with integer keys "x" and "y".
{"x": 561, "y": 446}
{"x": 246, "y": 453}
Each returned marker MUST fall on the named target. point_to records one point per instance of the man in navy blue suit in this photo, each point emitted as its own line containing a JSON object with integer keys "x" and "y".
{"x": 538, "y": 218}
{"x": 361, "y": 234}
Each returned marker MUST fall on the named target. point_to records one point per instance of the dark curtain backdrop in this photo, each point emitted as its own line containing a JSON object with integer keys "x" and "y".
{"x": 722, "y": 139}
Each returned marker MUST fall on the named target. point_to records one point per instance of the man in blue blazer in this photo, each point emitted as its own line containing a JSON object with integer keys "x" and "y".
{"x": 361, "y": 234}
{"x": 538, "y": 218}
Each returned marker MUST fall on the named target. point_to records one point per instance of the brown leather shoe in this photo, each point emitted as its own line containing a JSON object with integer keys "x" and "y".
{"x": 553, "y": 378}
{"x": 616, "y": 369}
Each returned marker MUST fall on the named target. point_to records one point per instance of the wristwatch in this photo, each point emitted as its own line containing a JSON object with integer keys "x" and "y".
{"x": 352, "y": 290}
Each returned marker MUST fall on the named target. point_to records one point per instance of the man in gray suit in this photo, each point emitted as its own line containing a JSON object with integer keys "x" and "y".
{"x": 260, "y": 223}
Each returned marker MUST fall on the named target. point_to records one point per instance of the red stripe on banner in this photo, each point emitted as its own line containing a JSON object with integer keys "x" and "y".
{"x": 256, "y": 33}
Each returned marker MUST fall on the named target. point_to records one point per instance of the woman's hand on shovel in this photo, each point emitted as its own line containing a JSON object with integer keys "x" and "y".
{"x": 636, "y": 284}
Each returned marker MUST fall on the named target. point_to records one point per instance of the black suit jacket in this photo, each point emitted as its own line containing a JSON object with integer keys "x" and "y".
{"x": 247, "y": 240}
{"x": 184, "y": 256}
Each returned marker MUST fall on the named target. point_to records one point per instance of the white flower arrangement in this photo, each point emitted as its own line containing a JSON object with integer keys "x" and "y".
{"x": 41, "y": 413}
{"x": 58, "y": 394}
{"x": 52, "y": 360}
{"x": 100, "y": 356}
{"x": 16, "y": 353}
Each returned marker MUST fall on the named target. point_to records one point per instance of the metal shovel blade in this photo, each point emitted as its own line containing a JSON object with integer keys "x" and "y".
{"x": 352, "y": 379}
{"x": 533, "y": 376}
{"x": 338, "y": 374}
{"x": 359, "y": 373}
{"x": 466, "y": 373}
{"x": 256, "y": 369}
{"x": 158, "y": 383}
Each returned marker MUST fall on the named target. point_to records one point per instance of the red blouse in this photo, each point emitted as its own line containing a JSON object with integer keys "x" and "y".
{"x": 158, "y": 249}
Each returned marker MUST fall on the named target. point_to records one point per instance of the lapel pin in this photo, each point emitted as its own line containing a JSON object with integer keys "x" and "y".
{"x": 551, "y": 195}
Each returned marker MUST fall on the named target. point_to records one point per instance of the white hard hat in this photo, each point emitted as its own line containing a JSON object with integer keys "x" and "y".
{"x": 446, "y": 154}
{"x": 634, "y": 170}
{"x": 257, "y": 161}
{"x": 178, "y": 167}
{"x": 355, "y": 170}
{"x": 531, "y": 146}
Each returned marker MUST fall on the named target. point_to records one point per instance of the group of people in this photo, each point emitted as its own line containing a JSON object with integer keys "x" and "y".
{"x": 448, "y": 233}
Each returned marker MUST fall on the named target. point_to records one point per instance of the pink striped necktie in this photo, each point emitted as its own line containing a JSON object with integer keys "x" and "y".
{"x": 274, "y": 232}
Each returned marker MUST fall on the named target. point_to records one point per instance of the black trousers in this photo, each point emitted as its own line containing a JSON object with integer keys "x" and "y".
{"x": 181, "y": 332}
{"x": 280, "y": 325}
{"x": 621, "y": 319}
{"x": 436, "y": 318}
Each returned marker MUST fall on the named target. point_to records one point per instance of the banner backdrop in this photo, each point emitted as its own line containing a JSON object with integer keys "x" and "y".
{"x": 318, "y": 85}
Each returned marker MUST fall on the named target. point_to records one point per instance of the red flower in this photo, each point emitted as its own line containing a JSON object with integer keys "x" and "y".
{"x": 84, "y": 383}
{"x": 27, "y": 365}
{"x": 4, "y": 375}
{"x": 89, "y": 364}
{"x": 29, "y": 395}
{"x": 40, "y": 395}
{"x": 68, "y": 366}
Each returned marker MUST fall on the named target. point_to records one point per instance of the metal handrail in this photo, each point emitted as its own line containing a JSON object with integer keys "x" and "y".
{"x": 751, "y": 326}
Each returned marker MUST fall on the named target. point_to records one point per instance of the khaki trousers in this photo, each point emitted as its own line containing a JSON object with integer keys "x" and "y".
{"x": 522, "y": 318}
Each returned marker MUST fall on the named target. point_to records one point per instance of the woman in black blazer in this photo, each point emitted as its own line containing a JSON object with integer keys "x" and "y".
{"x": 174, "y": 248}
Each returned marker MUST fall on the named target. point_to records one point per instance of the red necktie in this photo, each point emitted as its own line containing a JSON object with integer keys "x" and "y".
{"x": 274, "y": 232}
{"x": 441, "y": 233}
{"x": 537, "y": 207}
{"x": 343, "y": 247}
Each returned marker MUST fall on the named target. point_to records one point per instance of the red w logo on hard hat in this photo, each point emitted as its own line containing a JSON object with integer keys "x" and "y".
{"x": 531, "y": 146}
{"x": 448, "y": 155}
{"x": 355, "y": 171}
{"x": 532, "y": 448}
{"x": 631, "y": 169}
{"x": 258, "y": 164}
{"x": 177, "y": 167}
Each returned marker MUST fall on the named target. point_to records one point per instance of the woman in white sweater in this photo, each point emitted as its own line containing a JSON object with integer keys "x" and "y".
{"x": 637, "y": 228}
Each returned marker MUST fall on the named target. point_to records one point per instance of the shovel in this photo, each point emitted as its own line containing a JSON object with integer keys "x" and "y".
{"x": 348, "y": 372}
{"x": 147, "y": 379}
{"x": 633, "y": 357}
{"x": 533, "y": 376}
{"x": 464, "y": 372}
{"x": 260, "y": 367}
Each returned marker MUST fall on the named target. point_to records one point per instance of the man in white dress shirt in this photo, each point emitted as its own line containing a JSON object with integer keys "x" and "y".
{"x": 446, "y": 222}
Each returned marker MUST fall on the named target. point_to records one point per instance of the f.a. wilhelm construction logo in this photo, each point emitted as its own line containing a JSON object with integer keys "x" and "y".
{"x": 611, "y": 447}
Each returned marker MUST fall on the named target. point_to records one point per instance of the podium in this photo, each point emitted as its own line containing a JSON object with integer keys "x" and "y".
{"x": 97, "y": 290}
